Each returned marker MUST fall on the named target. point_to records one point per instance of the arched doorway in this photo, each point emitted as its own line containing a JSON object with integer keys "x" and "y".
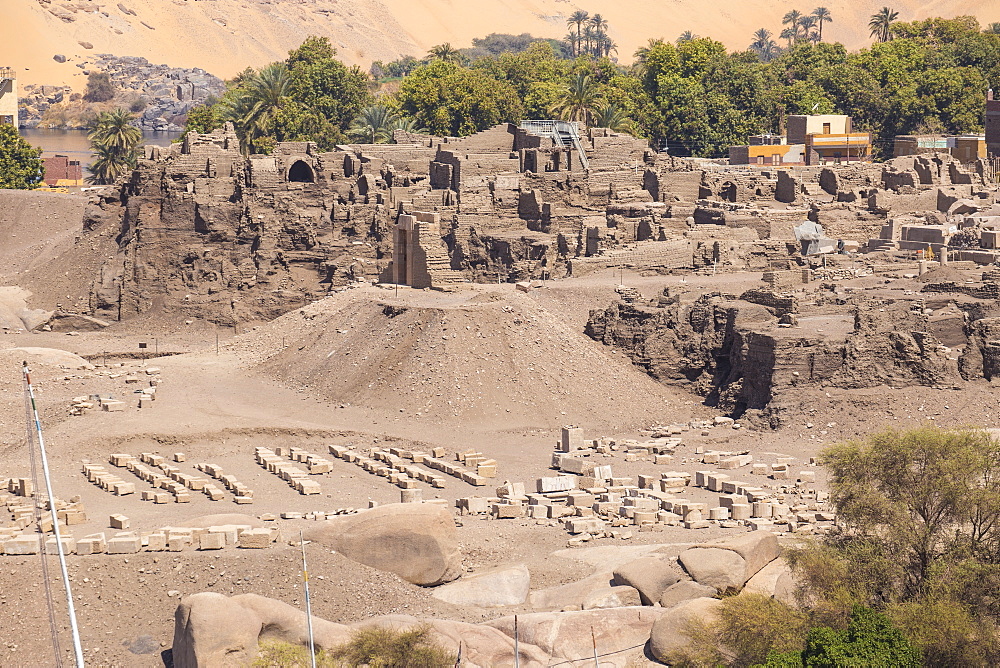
{"x": 301, "y": 172}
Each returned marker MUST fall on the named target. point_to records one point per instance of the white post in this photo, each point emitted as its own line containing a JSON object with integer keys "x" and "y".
{"x": 309, "y": 617}
{"x": 77, "y": 648}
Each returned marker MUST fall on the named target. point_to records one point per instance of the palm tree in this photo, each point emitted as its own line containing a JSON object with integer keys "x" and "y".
{"x": 374, "y": 124}
{"x": 253, "y": 110}
{"x": 763, "y": 45}
{"x": 599, "y": 24}
{"x": 609, "y": 115}
{"x": 571, "y": 39}
{"x": 993, "y": 28}
{"x": 114, "y": 141}
{"x": 881, "y": 24}
{"x": 792, "y": 19}
{"x": 807, "y": 23}
{"x": 790, "y": 34}
{"x": 643, "y": 51}
{"x": 578, "y": 18}
{"x": 822, "y": 15}
{"x": 445, "y": 52}
{"x": 578, "y": 99}
{"x": 589, "y": 38}
{"x": 406, "y": 124}
{"x": 686, "y": 36}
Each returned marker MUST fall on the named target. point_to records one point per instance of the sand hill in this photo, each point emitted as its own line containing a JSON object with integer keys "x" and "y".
{"x": 224, "y": 36}
{"x": 493, "y": 355}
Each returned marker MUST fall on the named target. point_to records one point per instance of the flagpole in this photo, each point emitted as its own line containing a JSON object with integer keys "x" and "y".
{"x": 71, "y": 609}
{"x": 309, "y": 617}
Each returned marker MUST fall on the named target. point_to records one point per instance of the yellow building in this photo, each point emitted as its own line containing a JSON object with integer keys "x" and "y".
{"x": 8, "y": 97}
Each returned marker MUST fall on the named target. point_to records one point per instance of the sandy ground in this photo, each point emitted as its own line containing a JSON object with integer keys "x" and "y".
{"x": 225, "y": 36}
{"x": 217, "y": 407}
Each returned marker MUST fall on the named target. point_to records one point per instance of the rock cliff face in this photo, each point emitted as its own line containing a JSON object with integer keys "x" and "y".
{"x": 740, "y": 356}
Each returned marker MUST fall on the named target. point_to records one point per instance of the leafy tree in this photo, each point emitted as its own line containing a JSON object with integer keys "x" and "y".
{"x": 328, "y": 90}
{"x": 255, "y": 106}
{"x": 870, "y": 640}
{"x": 99, "y": 87}
{"x": 923, "y": 494}
{"x": 204, "y": 118}
{"x": 20, "y": 163}
{"x": 880, "y": 24}
{"x": 449, "y": 99}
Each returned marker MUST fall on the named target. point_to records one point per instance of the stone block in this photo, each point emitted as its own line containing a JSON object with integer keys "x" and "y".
{"x": 410, "y": 496}
{"x": 156, "y": 542}
{"x": 113, "y": 406}
{"x": 126, "y": 544}
{"x": 503, "y": 511}
{"x": 119, "y": 522}
{"x": 561, "y": 483}
{"x": 211, "y": 541}
{"x": 255, "y": 539}
{"x": 21, "y": 545}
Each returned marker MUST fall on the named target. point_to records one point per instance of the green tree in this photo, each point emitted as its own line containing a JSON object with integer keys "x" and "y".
{"x": 880, "y": 24}
{"x": 255, "y": 105}
{"x": 869, "y": 640}
{"x": 204, "y": 118}
{"x": 99, "y": 87}
{"x": 20, "y": 163}
{"x": 326, "y": 89}
{"x": 373, "y": 646}
{"x": 686, "y": 36}
{"x": 610, "y": 115}
{"x": 115, "y": 142}
{"x": 449, "y": 99}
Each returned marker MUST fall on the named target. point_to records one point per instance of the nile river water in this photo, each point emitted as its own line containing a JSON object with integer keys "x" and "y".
{"x": 74, "y": 143}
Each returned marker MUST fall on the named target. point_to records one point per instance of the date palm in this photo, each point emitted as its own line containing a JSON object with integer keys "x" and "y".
{"x": 577, "y": 100}
{"x": 610, "y": 115}
{"x": 578, "y": 19}
{"x": 374, "y": 124}
{"x": 115, "y": 143}
{"x": 880, "y": 24}
{"x": 686, "y": 36}
{"x": 790, "y": 34}
{"x": 445, "y": 52}
{"x": 807, "y": 23}
{"x": 822, "y": 15}
{"x": 254, "y": 108}
{"x": 791, "y": 19}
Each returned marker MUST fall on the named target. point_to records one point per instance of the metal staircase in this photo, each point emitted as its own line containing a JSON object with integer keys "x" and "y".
{"x": 563, "y": 133}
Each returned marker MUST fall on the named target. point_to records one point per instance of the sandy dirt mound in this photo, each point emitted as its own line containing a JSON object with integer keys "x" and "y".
{"x": 225, "y": 36}
{"x": 44, "y": 249}
{"x": 491, "y": 354}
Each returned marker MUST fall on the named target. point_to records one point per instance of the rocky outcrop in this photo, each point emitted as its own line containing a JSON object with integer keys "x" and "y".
{"x": 672, "y": 631}
{"x": 742, "y": 355}
{"x": 416, "y": 541}
{"x": 161, "y": 95}
{"x": 490, "y": 589}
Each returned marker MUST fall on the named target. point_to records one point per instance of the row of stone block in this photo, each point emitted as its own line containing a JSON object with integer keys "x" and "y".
{"x": 19, "y": 486}
{"x": 316, "y": 465}
{"x": 484, "y": 466}
{"x": 459, "y": 472}
{"x": 241, "y": 493}
{"x": 296, "y": 478}
{"x": 169, "y": 539}
{"x": 410, "y": 470}
{"x": 107, "y": 481}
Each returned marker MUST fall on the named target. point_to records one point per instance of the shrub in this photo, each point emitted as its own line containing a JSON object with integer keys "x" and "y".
{"x": 99, "y": 88}
{"x": 384, "y": 648}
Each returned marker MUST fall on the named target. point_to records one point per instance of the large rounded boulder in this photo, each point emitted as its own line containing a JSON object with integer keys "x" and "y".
{"x": 416, "y": 541}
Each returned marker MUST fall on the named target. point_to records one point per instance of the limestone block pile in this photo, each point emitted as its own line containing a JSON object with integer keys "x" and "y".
{"x": 241, "y": 493}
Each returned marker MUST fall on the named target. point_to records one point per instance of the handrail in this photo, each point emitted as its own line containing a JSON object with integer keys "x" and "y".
{"x": 556, "y": 130}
